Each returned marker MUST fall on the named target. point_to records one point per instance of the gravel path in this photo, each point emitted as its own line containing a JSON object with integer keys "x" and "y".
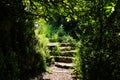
{"x": 58, "y": 74}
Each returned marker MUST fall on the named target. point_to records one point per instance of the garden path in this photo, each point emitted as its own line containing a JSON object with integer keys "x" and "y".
{"x": 62, "y": 69}
{"x": 63, "y": 66}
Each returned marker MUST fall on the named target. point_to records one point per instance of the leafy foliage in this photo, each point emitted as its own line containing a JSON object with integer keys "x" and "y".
{"x": 95, "y": 23}
{"x": 65, "y": 12}
{"x": 41, "y": 48}
{"x": 98, "y": 36}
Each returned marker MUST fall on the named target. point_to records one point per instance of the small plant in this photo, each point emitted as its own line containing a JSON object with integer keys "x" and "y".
{"x": 77, "y": 62}
{"x": 67, "y": 38}
{"x": 56, "y": 51}
{"x": 54, "y": 38}
{"x": 41, "y": 47}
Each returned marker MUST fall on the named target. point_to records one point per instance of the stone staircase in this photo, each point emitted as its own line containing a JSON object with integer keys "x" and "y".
{"x": 65, "y": 55}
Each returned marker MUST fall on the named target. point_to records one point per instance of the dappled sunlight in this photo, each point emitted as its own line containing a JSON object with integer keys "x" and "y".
{"x": 59, "y": 40}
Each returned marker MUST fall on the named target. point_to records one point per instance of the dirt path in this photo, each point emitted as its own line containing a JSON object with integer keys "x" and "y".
{"x": 58, "y": 74}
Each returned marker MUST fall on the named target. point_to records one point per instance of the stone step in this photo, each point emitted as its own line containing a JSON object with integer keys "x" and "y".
{"x": 61, "y": 44}
{"x": 67, "y": 48}
{"x": 53, "y": 44}
{"x": 63, "y": 59}
{"x": 64, "y": 65}
{"x": 68, "y": 53}
{"x": 67, "y": 44}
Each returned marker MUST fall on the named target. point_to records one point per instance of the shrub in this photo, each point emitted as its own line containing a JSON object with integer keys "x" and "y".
{"x": 41, "y": 47}
{"x": 55, "y": 51}
{"x": 77, "y": 62}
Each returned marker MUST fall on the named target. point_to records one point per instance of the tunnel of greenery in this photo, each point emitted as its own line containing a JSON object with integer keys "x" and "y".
{"x": 26, "y": 26}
